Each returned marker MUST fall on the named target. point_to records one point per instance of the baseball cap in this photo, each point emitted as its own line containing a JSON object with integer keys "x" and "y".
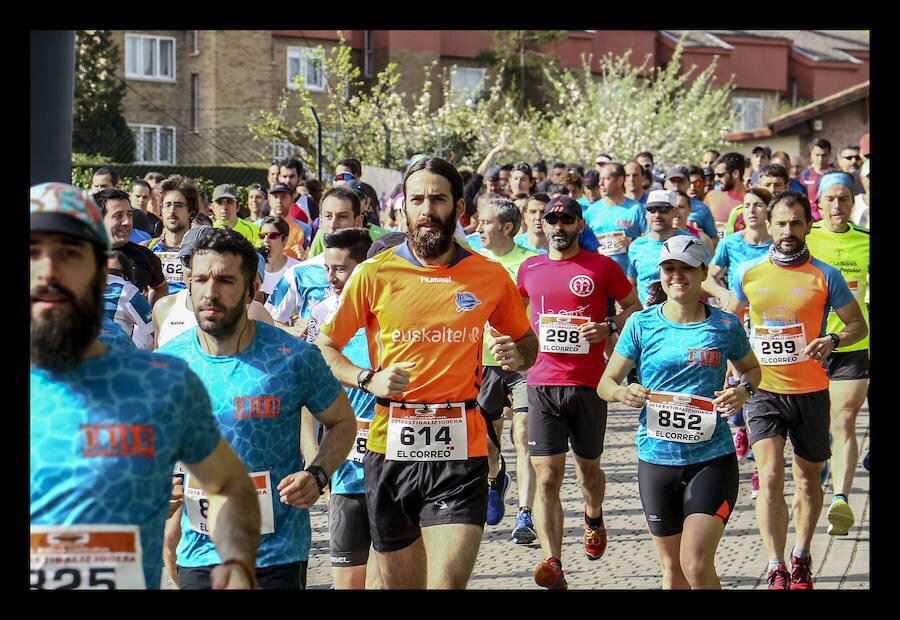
{"x": 592, "y": 178}
{"x": 764, "y": 148}
{"x": 385, "y": 242}
{"x": 602, "y": 159}
{"x": 225, "y": 190}
{"x": 69, "y": 210}
{"x": 662, "y": 197}
{"x": 709, "y": 173}
{"x": 280, "y": 187}
{"x": 190, "y": 237}
{"x": 686, "y": 248}
{"x": 493, "y": 174}
{"x": 563, "y": 204}
{"x": 678, "y": 172}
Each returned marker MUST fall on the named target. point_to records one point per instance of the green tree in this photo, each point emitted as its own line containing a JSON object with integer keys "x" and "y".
{"x": 516, "y": 56}
{"x": 98, "y": 126}
{"x": 618, "y": 108}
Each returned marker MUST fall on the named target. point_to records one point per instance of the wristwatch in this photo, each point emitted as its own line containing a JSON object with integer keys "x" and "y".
{"x": 835, "y": 339}
{"x": 613, "y": 326}
{"x": 319, "y": 474}
{"x": 749, "y": 387}
{"x": 363, "y": 377}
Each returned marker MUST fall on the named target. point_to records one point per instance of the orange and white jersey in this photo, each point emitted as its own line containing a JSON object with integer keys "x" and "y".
{"x": 433, "y": 316}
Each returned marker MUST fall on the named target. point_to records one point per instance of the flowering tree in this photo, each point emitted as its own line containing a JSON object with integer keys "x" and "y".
{"x": 676, "y": 115}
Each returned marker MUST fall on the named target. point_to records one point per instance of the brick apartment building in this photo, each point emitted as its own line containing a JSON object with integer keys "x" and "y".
{"x": 192, "y": 93}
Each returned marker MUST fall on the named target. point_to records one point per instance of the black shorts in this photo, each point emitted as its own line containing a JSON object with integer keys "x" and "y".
{"x": 348, "y": 530}
{"x": 847, "y": 366}
{"x": 404, "y": 496}
{"x": 669, "y": 493}
{"x": 277, "y": 577}
{"x": 501, "y": 388}
{"x": 560, "y": 415}
{"x": 805, "y": 418}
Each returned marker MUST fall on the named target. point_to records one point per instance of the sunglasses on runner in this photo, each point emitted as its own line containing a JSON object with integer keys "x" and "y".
{"x": 553, "y": 219}
{"x": 272, "y": 235}
{"x": 660, "y": 209}
{"x": 344, "y": 176}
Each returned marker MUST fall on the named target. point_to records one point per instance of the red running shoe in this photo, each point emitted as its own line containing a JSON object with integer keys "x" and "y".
{"x": 778, "y": 578}
{"x": 801, "y": 575}
{"x": 594, "y": 541}
{"x": 549, "y": 574}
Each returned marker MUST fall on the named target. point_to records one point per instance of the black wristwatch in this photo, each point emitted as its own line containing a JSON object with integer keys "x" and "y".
{"x": 613, "y": 326}
{"x": 319, "y": 474}
{"x": 749, "y": 387}
{"x": 363, "y": 377}
{"x": 835, "y": 339}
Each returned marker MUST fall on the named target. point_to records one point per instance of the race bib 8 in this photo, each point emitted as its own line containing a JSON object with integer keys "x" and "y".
{"x": 558, "y": 333}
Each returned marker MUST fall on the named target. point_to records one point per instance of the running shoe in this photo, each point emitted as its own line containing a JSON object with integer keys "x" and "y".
{"x": 840, "y": 517}
{"x": 754, "y": 484}
{"x": 778, "y": 578}
{"x": 594, "y": 541}
{"x": 496, "y": 498}
{"x": 865, "y": 462}
{"x": 801, "y": 576}
{"x": 549, "y": 574}
{"x": 524, "y": 533}
{"x": 741, "y": 443}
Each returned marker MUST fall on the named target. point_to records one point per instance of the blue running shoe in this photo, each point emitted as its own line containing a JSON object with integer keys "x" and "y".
{"x": 496, "y": 498}
{"x": 524, "y": 533}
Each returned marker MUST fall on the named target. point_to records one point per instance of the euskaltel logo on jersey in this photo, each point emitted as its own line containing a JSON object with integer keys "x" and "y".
{"x": 437, "y": 335}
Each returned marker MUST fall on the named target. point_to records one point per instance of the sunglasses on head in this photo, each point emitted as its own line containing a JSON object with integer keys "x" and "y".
{"x": 661, "y": 209}
{"x": 344, "y": 176}
{"x": 554, "y": 218}
{"x": 271, "y": 235}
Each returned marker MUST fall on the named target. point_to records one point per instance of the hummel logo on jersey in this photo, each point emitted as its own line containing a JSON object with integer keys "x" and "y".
{"x": 442, "y": 280}
{"x": 442, "y": 505}
{"x": 466, "y": 301}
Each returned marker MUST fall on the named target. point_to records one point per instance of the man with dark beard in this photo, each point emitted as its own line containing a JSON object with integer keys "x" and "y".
{"x": 103, "y": 450}
{"x": 259, "y": 378}
{"x": 424, "y": 304}
{"x": 568, "y": 289}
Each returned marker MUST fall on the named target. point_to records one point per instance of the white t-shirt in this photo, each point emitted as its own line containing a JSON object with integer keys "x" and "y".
{"x": 272, "y": 277}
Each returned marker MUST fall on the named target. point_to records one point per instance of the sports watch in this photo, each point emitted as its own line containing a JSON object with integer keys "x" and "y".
{"x": 363, "y": 377}
{"x": 749, "y": 387}
{"x": 319, "y": 474}
{"x": 613, "y": 326}
{"x": 835, "y": 339}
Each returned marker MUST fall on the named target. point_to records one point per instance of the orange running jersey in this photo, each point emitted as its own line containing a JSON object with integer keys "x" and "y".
{"x": 433, "y": 316}
{"x": 792, "y": 303}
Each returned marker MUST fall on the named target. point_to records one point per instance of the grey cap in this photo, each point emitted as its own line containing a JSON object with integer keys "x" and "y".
{"x": 678, "y": 171}
{"x": 190, "y": 237}
{"x": 685, "y": 248}
{"x": 225, "y": 190}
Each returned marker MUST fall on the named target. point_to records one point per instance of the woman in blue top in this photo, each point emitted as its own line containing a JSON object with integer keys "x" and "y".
{"x": 687, "y": 468}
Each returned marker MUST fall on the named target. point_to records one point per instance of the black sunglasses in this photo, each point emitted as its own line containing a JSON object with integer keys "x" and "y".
{"x": 565, "y": 218}
{"x": 720, "y": 174}
{"x": 661, "y": 209}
